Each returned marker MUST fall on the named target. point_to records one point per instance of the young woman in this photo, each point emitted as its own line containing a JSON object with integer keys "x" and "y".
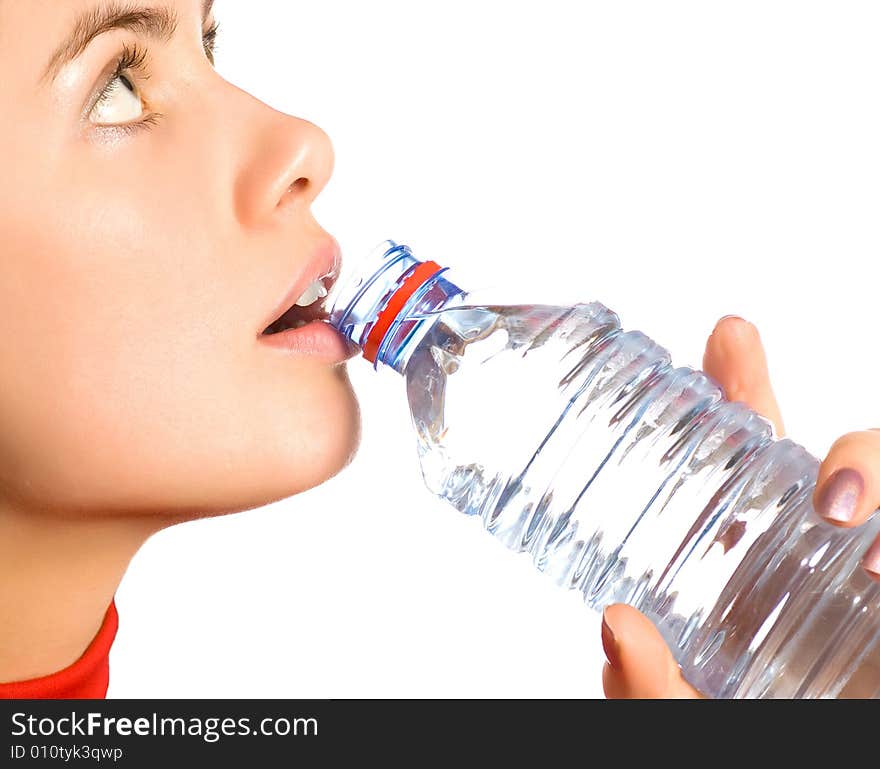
{"x": 154, "y": 220}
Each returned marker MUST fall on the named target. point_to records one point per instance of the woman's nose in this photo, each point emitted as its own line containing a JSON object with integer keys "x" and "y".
{"x": 286, "y": 161}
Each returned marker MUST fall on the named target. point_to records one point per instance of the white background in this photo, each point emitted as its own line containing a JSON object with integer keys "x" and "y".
{"x": 675, "y": 161}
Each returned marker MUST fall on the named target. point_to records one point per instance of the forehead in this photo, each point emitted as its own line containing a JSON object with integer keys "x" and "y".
{"x": 49, "y": 20}
{"x": 36, "y": 36}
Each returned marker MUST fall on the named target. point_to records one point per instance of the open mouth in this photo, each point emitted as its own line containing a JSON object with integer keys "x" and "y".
{"x": 297, "y": 316}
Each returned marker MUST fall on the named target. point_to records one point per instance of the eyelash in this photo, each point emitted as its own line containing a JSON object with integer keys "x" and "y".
{"x": 209, "y": 40}
{"x": 132, "y": 59}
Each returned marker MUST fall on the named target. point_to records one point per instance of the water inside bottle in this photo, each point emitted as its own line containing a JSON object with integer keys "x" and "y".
{"x": 633, "y": 481}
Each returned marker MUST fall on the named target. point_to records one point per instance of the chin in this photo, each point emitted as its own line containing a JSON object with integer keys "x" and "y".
{"x": 305, "y": 441}
{"x": 329, "y": 451}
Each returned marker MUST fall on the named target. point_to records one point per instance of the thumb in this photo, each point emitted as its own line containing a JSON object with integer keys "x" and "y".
{"x": 640, "y": 665}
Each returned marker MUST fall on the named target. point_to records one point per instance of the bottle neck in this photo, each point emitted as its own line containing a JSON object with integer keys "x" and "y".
{"x": 390, "y": 302}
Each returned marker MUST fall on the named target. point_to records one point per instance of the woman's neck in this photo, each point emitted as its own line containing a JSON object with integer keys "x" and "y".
{"x": 57, "y": 578}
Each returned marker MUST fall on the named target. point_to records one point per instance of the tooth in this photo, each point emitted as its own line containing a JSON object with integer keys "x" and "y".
{"x": 314, "y": 290}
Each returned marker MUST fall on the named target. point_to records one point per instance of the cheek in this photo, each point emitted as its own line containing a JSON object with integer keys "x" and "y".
{"x": 105, "y": 300}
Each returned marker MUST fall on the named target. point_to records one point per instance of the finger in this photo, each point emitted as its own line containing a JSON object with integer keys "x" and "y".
{"x": 735, "y": 358}
{"x": 848, "y": 486}
{"x": 639, "y": 665}
{"x": 871, "y": 560}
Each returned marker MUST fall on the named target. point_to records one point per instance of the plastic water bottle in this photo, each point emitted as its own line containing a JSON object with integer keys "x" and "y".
{"x": 625, "y": 479}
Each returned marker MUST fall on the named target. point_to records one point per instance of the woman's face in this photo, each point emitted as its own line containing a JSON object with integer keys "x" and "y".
{"x": 149, "y": 224}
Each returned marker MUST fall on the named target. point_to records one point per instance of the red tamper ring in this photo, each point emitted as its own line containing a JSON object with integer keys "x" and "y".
{"x": 420, "y": 275}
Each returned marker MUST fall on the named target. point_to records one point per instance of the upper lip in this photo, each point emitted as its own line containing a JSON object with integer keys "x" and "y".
{"x": 324, "y": 262}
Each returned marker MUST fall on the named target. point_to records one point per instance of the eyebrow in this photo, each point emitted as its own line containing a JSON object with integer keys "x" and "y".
{"x": 157, "y": 23}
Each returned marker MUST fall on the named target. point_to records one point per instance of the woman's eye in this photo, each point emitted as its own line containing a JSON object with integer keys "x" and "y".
{"x": 118, "y": 103}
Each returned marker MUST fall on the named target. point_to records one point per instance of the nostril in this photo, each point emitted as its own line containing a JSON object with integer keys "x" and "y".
{"x": 298, "y": 185}
{"x": 294, "y": 191}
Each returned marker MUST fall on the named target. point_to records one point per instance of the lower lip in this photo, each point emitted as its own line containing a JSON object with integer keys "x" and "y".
{"x": 318, "y": 340}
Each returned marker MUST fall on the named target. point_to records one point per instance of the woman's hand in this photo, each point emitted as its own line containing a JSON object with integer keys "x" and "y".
{"x": 847, "y": 491}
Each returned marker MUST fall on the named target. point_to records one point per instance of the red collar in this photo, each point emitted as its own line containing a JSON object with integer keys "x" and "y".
{"x": 87, "y": 678}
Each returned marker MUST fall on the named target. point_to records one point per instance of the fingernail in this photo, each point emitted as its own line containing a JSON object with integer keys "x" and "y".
{"x": 736, "y": 327}
{"x": 725, "y": 317}
{"x": 871, "y": 559}
{"x": 840, "y": 495}
{"x": 609, "y": 644}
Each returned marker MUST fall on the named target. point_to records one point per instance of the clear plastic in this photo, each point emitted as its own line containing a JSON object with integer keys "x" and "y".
{"x": 628, "y": 480}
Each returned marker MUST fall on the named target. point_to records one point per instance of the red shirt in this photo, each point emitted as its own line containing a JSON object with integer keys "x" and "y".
{"x": 87, "y": 678}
